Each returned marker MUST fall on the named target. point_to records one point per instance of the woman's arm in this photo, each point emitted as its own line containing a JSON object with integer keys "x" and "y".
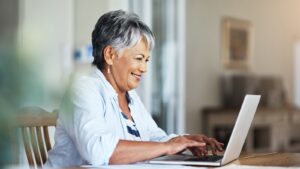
{"x": 134, "y": 151}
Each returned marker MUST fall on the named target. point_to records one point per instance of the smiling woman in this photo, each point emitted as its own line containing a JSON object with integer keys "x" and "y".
{"x": 103, "y": 121}
{"x": 125, "y": 69}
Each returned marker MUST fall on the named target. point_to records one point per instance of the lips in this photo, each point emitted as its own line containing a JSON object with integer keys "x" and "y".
{"x": 138, "y": 77}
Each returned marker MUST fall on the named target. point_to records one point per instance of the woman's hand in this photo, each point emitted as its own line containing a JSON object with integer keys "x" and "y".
{"x": 210, "y": 142}
{"x": 180, "y": 143}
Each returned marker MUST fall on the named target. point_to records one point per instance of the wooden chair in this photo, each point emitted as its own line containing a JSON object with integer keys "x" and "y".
{"x": 34, "y": 123}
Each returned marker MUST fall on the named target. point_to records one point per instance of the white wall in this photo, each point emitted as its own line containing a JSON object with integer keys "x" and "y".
{"x": 49, "y": 31}
{"x": 277, "y": 26}
{"x": 87, "y": 14}
{"x": 45, "y": 36}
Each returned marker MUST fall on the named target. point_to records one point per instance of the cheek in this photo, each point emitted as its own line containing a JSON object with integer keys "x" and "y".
{"x": 125, "y": 75}
{"x": 126, "y": 68}
{"x": 131, "y": 68}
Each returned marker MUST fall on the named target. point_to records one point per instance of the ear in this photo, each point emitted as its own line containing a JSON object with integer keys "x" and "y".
{"x": 109, "y": 54}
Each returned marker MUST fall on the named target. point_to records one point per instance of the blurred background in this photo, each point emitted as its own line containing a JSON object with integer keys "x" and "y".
{"x": 208, "y": 55}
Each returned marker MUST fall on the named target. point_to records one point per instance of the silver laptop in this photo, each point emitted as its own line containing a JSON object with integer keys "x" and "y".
{"x": 235, "y": 144}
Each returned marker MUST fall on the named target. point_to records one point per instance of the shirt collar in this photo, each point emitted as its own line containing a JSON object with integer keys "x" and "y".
{"x": 109, "y": 89}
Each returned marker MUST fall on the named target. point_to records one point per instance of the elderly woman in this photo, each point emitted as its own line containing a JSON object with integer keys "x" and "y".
{"x": 104, "y": 121}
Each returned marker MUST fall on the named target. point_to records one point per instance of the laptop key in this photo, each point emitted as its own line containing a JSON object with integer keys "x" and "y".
{"x": 210, "y": 158}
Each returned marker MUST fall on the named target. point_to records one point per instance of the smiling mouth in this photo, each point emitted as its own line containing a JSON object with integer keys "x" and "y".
{"x": 138, "y": 77}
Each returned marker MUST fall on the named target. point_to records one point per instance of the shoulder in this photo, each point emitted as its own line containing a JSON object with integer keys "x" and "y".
{"x": 86, "y": 90}
{"x": 86, "y": 84}
{"x": 84, "y": 95}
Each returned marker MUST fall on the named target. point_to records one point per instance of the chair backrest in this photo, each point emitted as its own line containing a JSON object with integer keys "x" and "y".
{"x": 34, "y": 123}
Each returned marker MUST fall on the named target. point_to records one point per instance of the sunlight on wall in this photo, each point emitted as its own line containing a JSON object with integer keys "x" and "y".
{"x": 297, "y": 73}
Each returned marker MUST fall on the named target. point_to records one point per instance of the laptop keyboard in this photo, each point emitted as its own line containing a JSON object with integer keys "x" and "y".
{"x": 210, "y": 158}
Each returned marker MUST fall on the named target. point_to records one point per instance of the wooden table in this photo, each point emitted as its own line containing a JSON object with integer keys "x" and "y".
{"x": 256, "y": 160}
{"x": 274, "y": 159}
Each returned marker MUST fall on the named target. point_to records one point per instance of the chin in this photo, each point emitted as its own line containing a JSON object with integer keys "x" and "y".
{"x": 133, "y": 86}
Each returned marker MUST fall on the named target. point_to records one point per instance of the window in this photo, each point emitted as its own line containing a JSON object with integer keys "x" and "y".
{"x": 163, "y": 89}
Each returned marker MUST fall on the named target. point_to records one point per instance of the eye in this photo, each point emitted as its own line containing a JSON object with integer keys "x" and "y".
{"x": 147, "y": 60}
{"x": 139, "y": 58}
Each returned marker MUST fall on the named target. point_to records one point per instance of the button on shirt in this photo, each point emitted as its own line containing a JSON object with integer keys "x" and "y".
{"x": 91, "y": 123}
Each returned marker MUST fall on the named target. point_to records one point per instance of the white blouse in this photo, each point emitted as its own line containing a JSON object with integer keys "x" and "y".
{"x": 90, "y": 124}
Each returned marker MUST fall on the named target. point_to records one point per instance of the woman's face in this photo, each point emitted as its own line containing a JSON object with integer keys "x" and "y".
{"x": 129, "y": 66}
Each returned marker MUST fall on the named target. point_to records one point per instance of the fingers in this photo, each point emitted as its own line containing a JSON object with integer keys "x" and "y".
{"x": 179, "y": 144}
{"x": 216, "y": 146}
{"x": 199, "y": 151}
{"x": 192, "y": 143}
{"x": 210, "y": 142}
{"x": 189, "y": 142}
{"x": 197, "y": 144}
{"x": 197, "y": 148}
{"x": 195, "y": 153}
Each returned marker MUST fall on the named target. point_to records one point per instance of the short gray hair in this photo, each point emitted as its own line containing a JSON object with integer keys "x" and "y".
{"x": 121, "y": 30}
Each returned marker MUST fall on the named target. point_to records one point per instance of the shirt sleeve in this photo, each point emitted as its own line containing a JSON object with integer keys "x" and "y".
{"x": 86, "y": 125}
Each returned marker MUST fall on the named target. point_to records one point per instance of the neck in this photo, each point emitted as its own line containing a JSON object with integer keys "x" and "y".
{"x": 109, "y": 77}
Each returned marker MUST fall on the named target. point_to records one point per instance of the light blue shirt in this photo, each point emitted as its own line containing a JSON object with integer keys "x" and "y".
{"x": 90, "y": 124}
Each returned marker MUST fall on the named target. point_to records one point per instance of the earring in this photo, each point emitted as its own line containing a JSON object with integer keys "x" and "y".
{"x": 108, "y": 71}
